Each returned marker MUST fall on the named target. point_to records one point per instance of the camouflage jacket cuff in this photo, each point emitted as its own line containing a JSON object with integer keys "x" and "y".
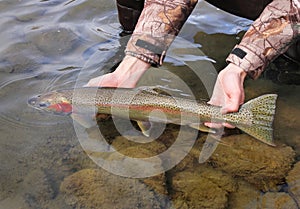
{"x": 158, "y": 25}
{"x": 247, "y": 59}
{"x": 141, "y": 47}
{"x": 269, "y": 36}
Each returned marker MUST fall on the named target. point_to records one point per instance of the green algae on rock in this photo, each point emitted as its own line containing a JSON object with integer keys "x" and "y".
{"x": 277, "y": 200}
{"x": 293, "y": 181}
{"x": 92, "y": 188}
{"x": 257, "y": 163}
{"x": 201, "y": 187}
{"x": 123, "y": 143}
{"x": 249, "y": 197}
{"x": 246, "y": 196}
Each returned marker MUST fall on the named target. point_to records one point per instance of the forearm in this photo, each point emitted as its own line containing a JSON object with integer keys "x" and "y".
{"x": 269, "y": 36}
{"x": 157, "y": 27}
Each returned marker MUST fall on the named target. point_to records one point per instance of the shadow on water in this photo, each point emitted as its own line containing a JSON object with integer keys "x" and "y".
{"x": 49, "y": 45}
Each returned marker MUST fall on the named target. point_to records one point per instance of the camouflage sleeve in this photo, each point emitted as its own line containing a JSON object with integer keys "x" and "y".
{"x": 268, "y": 37}
{"x": 159, "y": 23}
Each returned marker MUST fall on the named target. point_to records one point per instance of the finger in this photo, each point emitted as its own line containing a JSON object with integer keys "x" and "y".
{"x": 213, "y": 125}
{"x": 233, "y": 100}
{"x": 93, "y": 82}
{"x": 218, "y": 125}
{"x": 89, "y": 84}
{"x": 217, "y": 98}
{"x": 107, "y": 80}
{"x": 227, "y": 125}
{"x": 231, "y": 106}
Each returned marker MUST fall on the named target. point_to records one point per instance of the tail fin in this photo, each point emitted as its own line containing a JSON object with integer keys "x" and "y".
{"x": 263, "y": 110}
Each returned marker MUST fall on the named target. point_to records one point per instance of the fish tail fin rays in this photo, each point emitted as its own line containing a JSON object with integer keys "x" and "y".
{"x": 262, "y": 111}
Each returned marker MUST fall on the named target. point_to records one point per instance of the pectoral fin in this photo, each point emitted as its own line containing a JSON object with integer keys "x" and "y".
{"x": 156, "y": 90}
{"x": 85, "y": 120}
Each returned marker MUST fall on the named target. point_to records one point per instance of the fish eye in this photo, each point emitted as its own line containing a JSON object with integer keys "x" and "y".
{"x": 32, "y": 101}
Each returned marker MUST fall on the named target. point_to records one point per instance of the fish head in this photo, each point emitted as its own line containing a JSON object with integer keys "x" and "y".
{"x": 54, "y": 102}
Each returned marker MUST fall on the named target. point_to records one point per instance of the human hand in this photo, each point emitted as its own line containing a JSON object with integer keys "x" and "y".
{"x": 228, "y": 92}
{"x": 126, "y": 75}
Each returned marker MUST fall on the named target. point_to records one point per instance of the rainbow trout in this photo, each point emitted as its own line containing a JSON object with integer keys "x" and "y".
{"x": 255, "y": 117}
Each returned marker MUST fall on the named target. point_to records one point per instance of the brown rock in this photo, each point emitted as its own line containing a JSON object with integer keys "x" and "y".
{"x": 91, "y": 188}
{"x": 277, "y": 200}
{"x": 246, "y": 196}
{"x": 127, "y": 145}
{"x": 201, "y": 187}
{"x": 261, "y": 165}
{"x": 249, "y": 197}
{"x": 293, "y": 180}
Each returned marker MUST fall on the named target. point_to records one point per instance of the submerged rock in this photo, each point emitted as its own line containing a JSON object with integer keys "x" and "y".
{"x": 55, "y": 41}
{"x": 201, "y": 187}
{"x": 249, "y": 197}
{"x": 92, "y": 188}
{"x": 261, "y": 165}
{"x": 293, "y": 181}
{"x": 20, "y": 58}
{"x": 246, "y": 196}
{"x": 156, "y": 182}
{"x": 140, "y": 150}
{"x": 277, "y": 200}
{"x": 126, "y": 145}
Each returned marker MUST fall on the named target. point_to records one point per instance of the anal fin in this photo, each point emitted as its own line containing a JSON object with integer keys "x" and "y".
{"x": 202, "y": 127}
{"x": 145, "y": 127}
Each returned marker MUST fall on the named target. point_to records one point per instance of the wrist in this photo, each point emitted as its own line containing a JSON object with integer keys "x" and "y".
{"x": 233, "y": 68}
{"x": 130, "y": 66}
{"x": 130, "y": 70}
{"x": 136, "y": 62}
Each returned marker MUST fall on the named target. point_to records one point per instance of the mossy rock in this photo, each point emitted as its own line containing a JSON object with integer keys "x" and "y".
{"x": 277, "y": 200}
{"x": 293, "y": 181}
{"x": 261, "y": 165}
{"x": 201, "y": 187}
{"x": 92, "y": 188}
{"x": 246, "y": 196}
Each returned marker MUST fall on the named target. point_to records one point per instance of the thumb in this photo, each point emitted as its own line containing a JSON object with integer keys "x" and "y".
{"x": 231, "y": 105}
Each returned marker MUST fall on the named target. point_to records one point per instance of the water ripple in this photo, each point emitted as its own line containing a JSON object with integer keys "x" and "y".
{"x": 18, "y": 88}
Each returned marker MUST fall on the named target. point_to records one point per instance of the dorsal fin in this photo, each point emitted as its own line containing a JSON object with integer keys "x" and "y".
{"x": 155, "y": 90}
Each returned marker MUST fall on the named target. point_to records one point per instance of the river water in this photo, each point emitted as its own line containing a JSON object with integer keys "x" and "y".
{"x": 55, "y": 44}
